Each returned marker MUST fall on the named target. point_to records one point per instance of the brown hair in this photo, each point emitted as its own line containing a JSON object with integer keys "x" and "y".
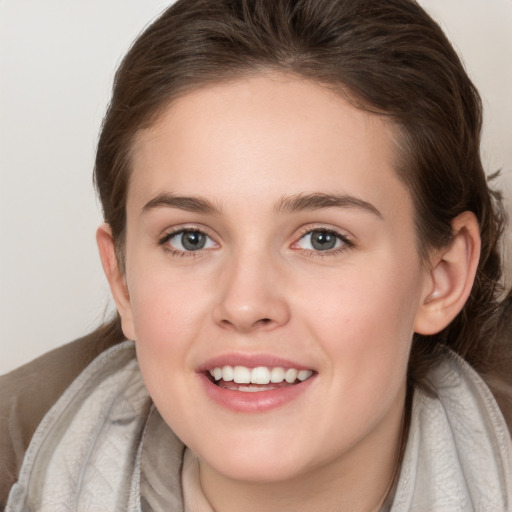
{"x": 385, "y": 56}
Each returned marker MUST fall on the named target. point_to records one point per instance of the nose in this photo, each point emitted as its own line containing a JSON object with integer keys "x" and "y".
{"x": 251, "y": 296}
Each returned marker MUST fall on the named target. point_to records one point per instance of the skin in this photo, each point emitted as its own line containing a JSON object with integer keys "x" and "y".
{"x": 248, "y": 148}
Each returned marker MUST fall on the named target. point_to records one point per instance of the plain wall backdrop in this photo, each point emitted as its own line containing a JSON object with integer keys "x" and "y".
{"x": 57, "y": 60}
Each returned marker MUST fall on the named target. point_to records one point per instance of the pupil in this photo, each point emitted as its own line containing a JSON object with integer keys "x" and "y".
{"x": 193, "y": 240}
{"x": 323, "y": 241}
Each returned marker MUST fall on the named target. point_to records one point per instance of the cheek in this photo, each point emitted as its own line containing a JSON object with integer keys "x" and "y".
{"x": 165, "y": 304}
{"x": 168, "y": 315}
{"x": 366, "y": 318}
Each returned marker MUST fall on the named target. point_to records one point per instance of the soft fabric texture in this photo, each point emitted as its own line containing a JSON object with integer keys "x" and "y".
{"x": 103, "y": 446}
{"x": 27, "y": 393}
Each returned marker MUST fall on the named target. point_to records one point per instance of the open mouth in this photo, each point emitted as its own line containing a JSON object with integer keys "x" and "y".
{"x": 261, "y": 378}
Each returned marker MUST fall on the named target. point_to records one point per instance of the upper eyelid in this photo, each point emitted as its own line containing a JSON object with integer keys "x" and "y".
{"x": 327, "y": 230}
{"x": 342, "y": 233}
{"x": 184, "y": 228}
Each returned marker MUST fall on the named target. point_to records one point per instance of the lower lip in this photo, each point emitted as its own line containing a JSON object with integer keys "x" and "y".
{"x": 260, "y": 401}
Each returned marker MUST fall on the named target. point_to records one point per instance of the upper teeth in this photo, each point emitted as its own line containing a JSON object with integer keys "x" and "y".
{"x": 259, "y": 375}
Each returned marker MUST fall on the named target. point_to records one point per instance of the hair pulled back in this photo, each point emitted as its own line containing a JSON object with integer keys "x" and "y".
{"x": 386, "y": 56}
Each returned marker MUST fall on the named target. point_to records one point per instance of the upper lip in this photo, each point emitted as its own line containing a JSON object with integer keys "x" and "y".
{"x": 250, "y": 361}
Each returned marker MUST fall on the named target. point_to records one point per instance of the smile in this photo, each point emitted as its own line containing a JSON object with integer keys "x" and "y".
{"x": 254, "y": 383}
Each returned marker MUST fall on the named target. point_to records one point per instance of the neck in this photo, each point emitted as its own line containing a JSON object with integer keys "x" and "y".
{"x": 359, "y": 481}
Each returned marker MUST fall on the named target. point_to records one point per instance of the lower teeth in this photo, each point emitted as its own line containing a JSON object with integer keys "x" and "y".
{"x": 253, "y": 389}
{"x": 246, "y": 389}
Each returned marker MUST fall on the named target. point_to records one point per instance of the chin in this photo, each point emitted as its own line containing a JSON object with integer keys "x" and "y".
{"x": 257, "y": 472}
{"x": 253, "y": 457}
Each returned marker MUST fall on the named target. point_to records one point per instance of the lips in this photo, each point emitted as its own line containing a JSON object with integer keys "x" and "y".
{"x": 246, "y": 383}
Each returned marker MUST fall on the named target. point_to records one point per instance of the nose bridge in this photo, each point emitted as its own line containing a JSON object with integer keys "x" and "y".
{"x": 250, "y": 296}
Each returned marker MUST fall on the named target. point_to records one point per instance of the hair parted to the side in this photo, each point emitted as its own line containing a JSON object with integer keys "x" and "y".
{"x": 386, "y": 56}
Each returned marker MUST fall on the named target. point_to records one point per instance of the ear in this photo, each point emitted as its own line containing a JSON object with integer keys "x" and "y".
{"x": 116, "y": 278}
{"x": 451, "y": 276}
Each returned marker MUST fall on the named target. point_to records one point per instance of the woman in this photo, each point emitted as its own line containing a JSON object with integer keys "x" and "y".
{"x": 301, "y": 243}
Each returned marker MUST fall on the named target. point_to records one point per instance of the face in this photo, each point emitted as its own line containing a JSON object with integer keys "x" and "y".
{"x": 269, "y": 239}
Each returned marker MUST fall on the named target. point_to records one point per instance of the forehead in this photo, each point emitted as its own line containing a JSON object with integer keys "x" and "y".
{"x": 232, "y": 140}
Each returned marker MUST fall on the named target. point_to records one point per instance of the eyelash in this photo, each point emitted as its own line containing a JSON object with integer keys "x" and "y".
{"x": 345, "y": 241}
{"x": 163, "y": 242}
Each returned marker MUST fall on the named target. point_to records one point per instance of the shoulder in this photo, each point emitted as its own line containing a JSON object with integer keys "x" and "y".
{"x": 498, "y": 372}
{"x": 468, "y": 401}
{"x": 459, "y": 450}
{"x": 27, "y": 394}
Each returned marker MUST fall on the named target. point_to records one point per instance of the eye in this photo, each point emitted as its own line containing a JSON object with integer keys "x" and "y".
{"x": 323, "y": 240}
{"x": 188, "y": 240}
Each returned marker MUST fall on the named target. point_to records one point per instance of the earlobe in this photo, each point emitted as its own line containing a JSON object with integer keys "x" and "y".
{"x": 451, "y": 276}
{"x": 115, "y": 277}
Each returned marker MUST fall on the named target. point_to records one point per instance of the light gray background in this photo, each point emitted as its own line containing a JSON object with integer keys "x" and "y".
{"x": 57, "y": 59}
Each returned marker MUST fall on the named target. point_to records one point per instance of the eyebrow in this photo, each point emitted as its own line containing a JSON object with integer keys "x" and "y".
{"x": 190, "y": 204}
{"x": 287, "y": 204}
{"x": 318, "y": 201}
